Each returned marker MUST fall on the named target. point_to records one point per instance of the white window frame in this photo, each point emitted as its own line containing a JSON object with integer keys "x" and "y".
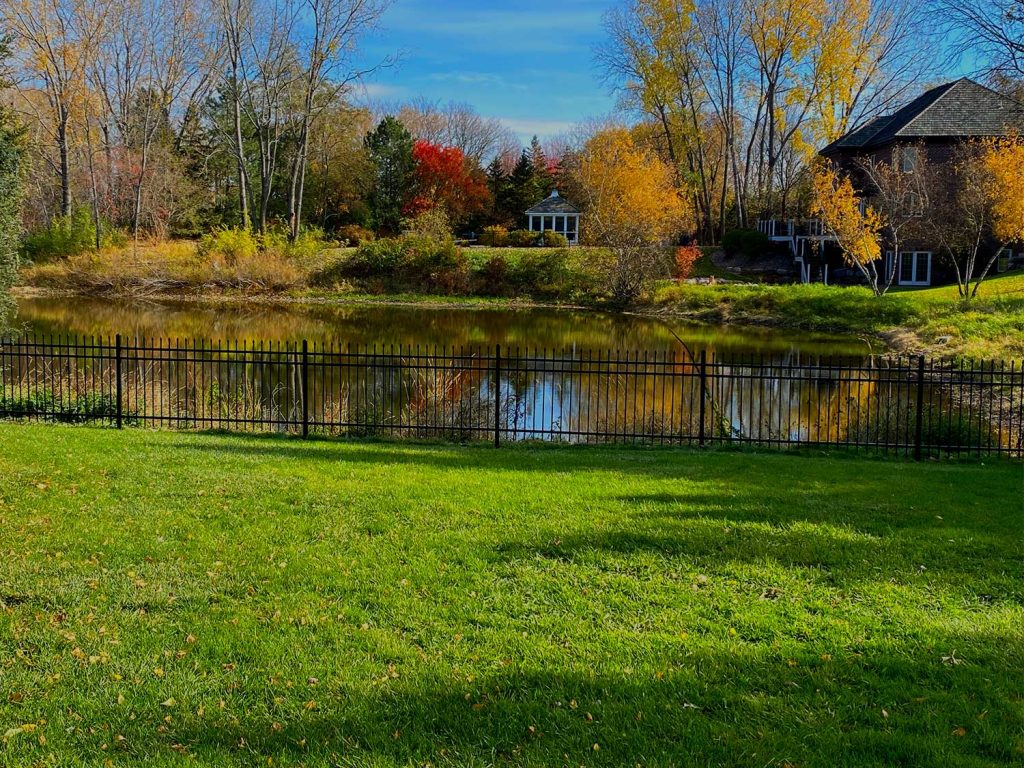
{"x": 915, "y": 278}
{"x": 1003, "y": 259}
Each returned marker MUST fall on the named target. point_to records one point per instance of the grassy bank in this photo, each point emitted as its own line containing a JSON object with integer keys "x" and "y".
{"x": 174, "y": 600}
{"x": 932, "y": 320}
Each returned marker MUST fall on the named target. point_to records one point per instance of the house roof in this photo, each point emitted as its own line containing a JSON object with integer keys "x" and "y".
{"x": 555, "y": 203}
{"x": 960, "y": 109}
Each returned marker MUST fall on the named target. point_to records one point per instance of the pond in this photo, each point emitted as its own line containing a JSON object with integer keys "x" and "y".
{"x": 419, "y": 372}
{"x": 384, "y": 325}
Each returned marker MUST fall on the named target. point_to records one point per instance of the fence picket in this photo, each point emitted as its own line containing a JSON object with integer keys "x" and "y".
{"x": 463, "y": 394}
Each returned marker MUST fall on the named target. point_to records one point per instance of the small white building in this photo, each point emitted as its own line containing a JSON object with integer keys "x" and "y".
{"x": 556, "y": 214}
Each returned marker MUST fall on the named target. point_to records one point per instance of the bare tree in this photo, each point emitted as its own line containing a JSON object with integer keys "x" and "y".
{"x": 233, "y": 17}
{"x": 269, "y": 80}
{"x": 458, "y": 125}
{"x": 989, "y": 32}
{"x": 54, "y": 43}
{"x": 328, "y": 56}
{"x": 900, "y": 191}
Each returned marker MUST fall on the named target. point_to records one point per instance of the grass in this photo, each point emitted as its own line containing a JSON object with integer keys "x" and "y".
{"x": 174, "y": 600}
{"x": 990, "y": 326}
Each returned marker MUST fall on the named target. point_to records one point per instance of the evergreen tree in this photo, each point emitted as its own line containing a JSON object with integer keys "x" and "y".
{"x": 543, "y": 177}
{"x": 524, "y": 190}
{"x": 498, "y": 185}
{"x": 10, "y": 196}
{"x": 390, "y": 149}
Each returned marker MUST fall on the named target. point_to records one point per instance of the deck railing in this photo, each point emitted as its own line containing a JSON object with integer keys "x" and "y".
{"x": 914, "y": 406}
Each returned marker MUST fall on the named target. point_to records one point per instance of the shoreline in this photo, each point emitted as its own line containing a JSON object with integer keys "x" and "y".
{"x": 894, "y": 341}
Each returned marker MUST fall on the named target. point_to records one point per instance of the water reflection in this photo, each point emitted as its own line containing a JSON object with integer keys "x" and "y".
{"x": 670, "y": 396}
{"x": 387, "y": 325}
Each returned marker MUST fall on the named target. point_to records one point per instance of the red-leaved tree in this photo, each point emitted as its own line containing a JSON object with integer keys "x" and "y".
{"x": 445, "y": 178}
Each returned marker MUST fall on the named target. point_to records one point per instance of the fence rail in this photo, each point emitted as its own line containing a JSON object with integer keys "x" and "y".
{"x": 913, "y": 406}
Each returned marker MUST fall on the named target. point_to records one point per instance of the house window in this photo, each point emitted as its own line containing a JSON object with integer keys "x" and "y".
{"x": 1003, "y": 260}
{"x": 907, "y": 159}
{"x": 549, "y": 223}
{"x": 915, "y": 204}
{"x": 915, "y": 268}
{"x": 570, "y": 224}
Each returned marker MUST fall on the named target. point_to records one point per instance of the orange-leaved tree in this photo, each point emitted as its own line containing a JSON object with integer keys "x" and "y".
{"x": 856, "y": 227}
{"x": 631, "y": 206}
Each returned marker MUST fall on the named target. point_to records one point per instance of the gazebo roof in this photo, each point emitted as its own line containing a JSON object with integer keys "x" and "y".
{"x": 554, "y": 204}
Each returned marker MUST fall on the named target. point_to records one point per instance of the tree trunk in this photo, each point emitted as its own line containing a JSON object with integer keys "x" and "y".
{"x": 65, "y": 164}
{"x": 243, "y": 175}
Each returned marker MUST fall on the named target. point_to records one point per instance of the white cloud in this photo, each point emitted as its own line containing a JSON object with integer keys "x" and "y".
{"x": 543, "y": 129}
{"x": 380, "y": 91}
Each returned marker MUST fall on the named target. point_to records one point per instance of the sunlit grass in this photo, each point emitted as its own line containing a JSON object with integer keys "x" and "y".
{"x": 936, "y": 320}
{"x": 178, "y": 600}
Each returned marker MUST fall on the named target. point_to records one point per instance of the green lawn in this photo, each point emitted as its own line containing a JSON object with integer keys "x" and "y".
{"x": 180, "y": 600}
{"x": 932, "y": 320}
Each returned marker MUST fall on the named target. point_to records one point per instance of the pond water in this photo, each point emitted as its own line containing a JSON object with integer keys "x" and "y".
{"x": 562, "y": 375}
{"x": 370, "y": 324}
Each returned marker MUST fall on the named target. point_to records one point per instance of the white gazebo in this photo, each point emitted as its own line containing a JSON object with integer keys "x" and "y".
{"x": 556, "y": 214}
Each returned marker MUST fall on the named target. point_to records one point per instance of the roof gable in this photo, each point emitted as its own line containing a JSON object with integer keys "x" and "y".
{"x": 960, "y": 109}
{"x": 553, "y": 204}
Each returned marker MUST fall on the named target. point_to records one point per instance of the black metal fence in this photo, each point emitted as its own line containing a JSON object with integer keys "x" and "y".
{"x": 912, "y": 406}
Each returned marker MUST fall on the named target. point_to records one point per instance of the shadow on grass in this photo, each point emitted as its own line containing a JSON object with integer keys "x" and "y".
{"x": 904, "y": 707}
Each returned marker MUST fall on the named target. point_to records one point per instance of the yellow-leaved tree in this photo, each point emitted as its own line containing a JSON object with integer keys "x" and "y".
{"x": 857, "y": 228}
{"x": 1002, "y": 171}
{"x": 631, "y": 206}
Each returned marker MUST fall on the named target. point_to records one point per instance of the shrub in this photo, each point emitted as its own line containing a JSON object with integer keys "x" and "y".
{"x": 541, "y": 272}
{"x": 746, "y": 243}
{"x": 433, "y": 224}
{"x": 496, "y": 237}
{"x": 63, "y": 408}
{"x": 523, "y": 238}
{"x": 68, "y": 236}
{"x": 494, "y": 276}
{"x": 310, "y": 242}
{"x": 687, "y": 257}
{"x": 555, "y": 240}
{"x": 355, "y": 235}
{"x": 226, "y": 247}
{"x": 378, "y": 258}
{"x": 408, "y": 261}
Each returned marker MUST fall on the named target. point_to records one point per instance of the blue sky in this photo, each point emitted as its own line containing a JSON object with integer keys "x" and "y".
{"x": 528, "y": 62}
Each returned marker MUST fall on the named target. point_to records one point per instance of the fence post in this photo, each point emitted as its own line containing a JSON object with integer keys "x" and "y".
{"x": 703, "y": 367}
{"x": 305, "y": 388}
{"x": 919, "y": 426}
{"x": 497, "y": 396}
{"x": 117, "y": 375}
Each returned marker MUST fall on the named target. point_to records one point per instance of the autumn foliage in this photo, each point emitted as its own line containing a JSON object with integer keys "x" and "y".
{"x": 1003, "y": 161}
{"x": 686, "y": 258}
{"x": 631, "y": 207}
{"x": 443, "y": 178}
{"x": 856, "y": 229}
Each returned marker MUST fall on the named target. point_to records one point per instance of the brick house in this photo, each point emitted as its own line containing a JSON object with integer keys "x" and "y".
{"x": 933, "y": 124}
